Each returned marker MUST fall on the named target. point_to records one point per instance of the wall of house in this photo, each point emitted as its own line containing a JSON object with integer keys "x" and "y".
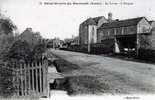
{"x": 146, "y": 40}
{"x": 124, "y": 30}
{"x": 83, "y": 34}
{"x": 152, "y": 38}
{"x": 92, "y": 34}
{"x": 99, "y": 36}
{"x": 104, "y": 34}
{"x": 143, "y": 26}
{"x": 86, "y": 29}
{"x": 109, "y": 33}
{"x": 101, "y": 21}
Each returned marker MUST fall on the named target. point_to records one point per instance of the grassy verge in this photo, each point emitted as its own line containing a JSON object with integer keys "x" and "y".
{"x": 77, "y": 85}
{"x": 64, "y": 66}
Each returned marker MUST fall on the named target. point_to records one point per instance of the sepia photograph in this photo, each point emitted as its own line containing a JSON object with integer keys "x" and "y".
{"x": 77, "y": 49}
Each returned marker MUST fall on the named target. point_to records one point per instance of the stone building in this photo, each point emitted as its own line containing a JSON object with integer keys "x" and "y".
{"x": 88, "y": 29}
{"x": 152, "y": 36}
{"x": 126, "y": 35}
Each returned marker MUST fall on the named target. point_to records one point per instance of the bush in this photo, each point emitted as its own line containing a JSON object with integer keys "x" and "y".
{"x": 6, "y": 39}
{"x": 38, "y": 50}
{"x": 8, "y": 78}
{"x": 20, "y": 50}
{"x": 147, "y": 54}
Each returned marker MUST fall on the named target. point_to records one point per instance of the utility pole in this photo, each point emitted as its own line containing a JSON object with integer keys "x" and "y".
{"x": 88, "y": 47}
{"x": 89, "y": 42}
{"x": 137, "y": 44}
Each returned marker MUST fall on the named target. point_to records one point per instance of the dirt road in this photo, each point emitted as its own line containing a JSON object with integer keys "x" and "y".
{"x": 125, "y": 77}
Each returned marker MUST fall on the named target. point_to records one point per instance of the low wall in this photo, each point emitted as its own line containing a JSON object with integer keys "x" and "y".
{"x": 105, "y": 47}
{"x": 146, "y": 54}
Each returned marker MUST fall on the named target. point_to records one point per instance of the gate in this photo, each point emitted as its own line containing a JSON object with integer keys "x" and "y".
{"x": 32, "y": 80}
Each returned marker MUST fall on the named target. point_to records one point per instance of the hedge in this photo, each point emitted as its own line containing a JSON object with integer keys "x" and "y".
{"x": 146, "y": 54}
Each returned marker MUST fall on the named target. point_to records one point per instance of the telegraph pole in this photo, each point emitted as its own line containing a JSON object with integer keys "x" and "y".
{"x": 137, "y": 45}
{"x": 88, "y": 47}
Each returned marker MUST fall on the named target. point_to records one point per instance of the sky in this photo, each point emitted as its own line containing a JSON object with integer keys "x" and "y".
{"x": 63, "y": 20}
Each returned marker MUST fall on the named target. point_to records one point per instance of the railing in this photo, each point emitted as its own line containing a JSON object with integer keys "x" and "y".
{"x": 31, "y": 80}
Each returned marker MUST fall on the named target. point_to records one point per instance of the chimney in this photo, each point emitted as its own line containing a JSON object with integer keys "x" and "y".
{"x": 110, "y": 16}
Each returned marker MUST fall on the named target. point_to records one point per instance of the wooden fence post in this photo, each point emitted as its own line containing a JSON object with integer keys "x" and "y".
{"x": 40, "y": 78}
{"x": 29, "y": 79}
{"x": 25, "y": 80}
{"x": 36, "y": 70}
{"x": 32, "y": 67}
{"x": 21, "y": 79}
{"x": 32, "y": 76}
{"x": 17, "y": 85}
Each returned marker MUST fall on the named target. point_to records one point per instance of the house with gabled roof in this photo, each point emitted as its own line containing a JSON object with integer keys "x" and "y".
{"x": 152, "y": 36}
{"x": 128, "y": 34}
{"x": 88, "y": 29}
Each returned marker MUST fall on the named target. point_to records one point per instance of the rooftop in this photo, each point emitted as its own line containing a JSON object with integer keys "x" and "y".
{"x": 121, "y": 23}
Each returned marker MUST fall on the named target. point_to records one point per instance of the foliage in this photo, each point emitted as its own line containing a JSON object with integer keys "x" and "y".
{"x": 20, "y": 50}
{"x": 7, "y": 85}
{"x": 38, "y": 50}
{"x": 32, "y": 38}
{"x": 7, "y": 26}
{"x": 6, "y": 40}
{"x": 6, "y": 34}
{"x": 5, "y": 44}
{"x": 13, "y": 50}
{"x": 145, "y": 41}
{"x": 147, "y": 55}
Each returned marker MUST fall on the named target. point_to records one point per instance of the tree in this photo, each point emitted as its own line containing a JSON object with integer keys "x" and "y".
{"x": 39, "y": 49}
{"x": 32, "y": 38}
{"x": 6, "y": 39}
{"x": 20, "y": 51}
{"x": 7, "y": 28}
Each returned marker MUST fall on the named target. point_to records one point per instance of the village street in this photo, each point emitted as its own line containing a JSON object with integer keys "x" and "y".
{"x": 120, "y": 75}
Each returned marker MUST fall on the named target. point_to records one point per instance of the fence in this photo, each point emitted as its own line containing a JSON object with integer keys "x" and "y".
{"x": 30, "y": 79}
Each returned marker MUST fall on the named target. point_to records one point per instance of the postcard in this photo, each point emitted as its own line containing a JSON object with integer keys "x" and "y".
{"x": 77, "y": 49}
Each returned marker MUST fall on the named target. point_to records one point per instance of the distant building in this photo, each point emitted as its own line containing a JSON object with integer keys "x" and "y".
{"x": 152, "y": 36}
{"x": 126, "y": 35}
{"x": 75, "y": 41}
{"x": 71, "y": 41}
{"x": 55, "y": 43}
{"x": 88, "y": 29}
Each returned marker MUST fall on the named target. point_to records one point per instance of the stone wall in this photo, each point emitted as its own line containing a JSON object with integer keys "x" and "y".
{"x": 83, "y": 34}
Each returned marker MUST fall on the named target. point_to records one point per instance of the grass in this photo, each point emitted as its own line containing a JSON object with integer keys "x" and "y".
{"x": 76, "y": 85}
{"x": 64, "y": 66}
